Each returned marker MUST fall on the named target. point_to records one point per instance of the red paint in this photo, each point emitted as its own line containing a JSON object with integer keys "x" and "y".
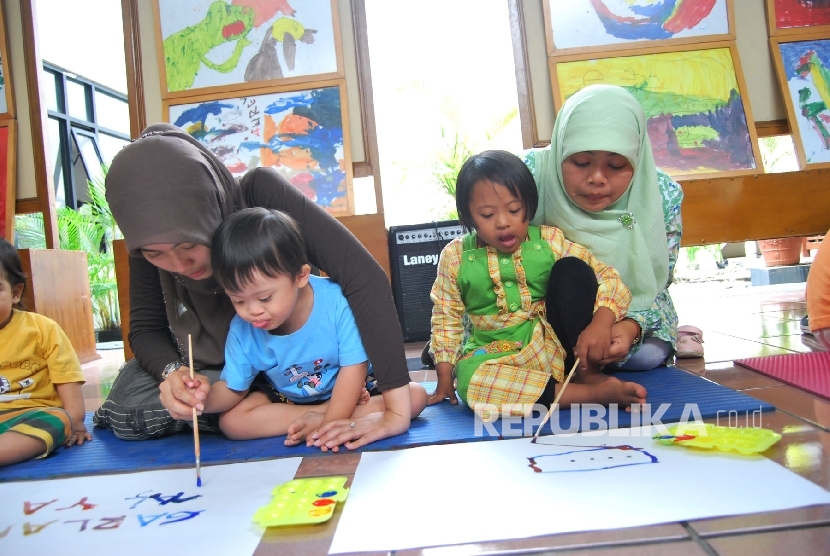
{"x": 533, "y": 465}
{"x": 688, "y": 14}
{"x": 798, "y": 13}
{"x": 233, "y": 29}
{"x": 323, "y": 502}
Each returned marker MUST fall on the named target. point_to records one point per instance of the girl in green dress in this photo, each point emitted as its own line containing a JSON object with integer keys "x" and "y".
{"x": 535, "y": 300}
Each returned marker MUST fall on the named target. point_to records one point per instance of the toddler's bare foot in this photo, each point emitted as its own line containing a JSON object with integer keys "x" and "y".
{"x": 303, "y": 426}
{"x": 604, "y": 390}
{"x": 614, "y": 390}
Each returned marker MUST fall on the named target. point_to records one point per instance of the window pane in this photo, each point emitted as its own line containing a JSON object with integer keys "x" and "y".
{"x": 110, "y": 146}
{"x": 76, "y": 100}
{"x": 55, "y": 147}
{"x": 453, "y": 95}
{"x": 49, "y": 91}
{"x": 778, "y": 153}
{"x": 91, "y": 168}
{"x": 112, "y": 113}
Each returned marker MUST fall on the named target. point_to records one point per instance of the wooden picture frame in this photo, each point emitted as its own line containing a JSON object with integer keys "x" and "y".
{"x": 694, "y": 96}
{"x": 806, "y": 95}
{"x": 582, "y": 26}
{"x": 8, "y": 177}
{"x": 792, "y": 17}
{"x": 301, "y": 132}
{"x": 6, "y": 88}
{"x": 256, "y": 43}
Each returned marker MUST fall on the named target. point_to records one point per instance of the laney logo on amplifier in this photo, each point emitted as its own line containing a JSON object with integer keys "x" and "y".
{"x": 414, "y": 260}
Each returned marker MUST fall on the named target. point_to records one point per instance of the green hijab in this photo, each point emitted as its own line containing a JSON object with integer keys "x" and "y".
{"x": 609, "y": 118}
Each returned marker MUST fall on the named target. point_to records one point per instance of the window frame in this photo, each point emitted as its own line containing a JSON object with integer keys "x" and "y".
{"x": 70, "y": 127}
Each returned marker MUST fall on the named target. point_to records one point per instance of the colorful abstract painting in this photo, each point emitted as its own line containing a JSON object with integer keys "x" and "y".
{"x": 298, "y": 133}
{"x": 222, "y": 43}
{"x": 593, "y": 24}
{"x": 797, "y": 14}
{"x": 804, "y": 71}
{"x": 697, "y": 120}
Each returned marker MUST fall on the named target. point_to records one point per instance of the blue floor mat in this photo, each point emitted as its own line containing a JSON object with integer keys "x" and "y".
{"x": 438, "y": 424}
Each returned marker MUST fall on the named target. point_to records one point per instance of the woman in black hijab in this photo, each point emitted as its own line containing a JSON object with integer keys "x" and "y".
{"x": 168, "y": 194}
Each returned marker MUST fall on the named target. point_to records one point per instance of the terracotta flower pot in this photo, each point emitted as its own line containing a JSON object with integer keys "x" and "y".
{"x": 781, "y": 251}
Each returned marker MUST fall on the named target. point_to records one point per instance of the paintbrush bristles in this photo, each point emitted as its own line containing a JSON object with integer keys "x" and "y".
{"x": 555, "y": 401}
{"x": 196, "y": 446}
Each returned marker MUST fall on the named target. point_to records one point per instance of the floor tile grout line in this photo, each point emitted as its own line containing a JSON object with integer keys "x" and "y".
{"x": 771, "y": 528}
{"x": 699, "y": 540}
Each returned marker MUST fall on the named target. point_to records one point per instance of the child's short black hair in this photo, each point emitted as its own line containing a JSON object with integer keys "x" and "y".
{"x": 256, "y": 240}
{"x": 11, "y": 269}
{"x": 502, "y": 168}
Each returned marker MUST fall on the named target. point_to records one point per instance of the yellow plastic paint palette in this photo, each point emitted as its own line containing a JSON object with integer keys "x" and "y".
{"x": 303, "y": 501}
{"x": 744, "y": 440}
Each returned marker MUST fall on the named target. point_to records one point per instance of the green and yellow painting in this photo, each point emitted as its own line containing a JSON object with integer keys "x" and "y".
{"x": 695, "y": 111}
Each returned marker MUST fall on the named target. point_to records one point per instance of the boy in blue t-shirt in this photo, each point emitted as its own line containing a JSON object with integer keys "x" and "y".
{"x": 294, "y": 360}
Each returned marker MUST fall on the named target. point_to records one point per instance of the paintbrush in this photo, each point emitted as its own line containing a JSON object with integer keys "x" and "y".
{"x": 555, "y": 401}
{"x": 196, "y": 447}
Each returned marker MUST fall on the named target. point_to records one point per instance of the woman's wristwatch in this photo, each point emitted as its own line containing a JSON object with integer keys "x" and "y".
{"x": 169, "y": 368}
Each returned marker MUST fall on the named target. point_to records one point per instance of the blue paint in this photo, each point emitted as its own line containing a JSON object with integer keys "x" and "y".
{"x": 791, "y": 54}
{"x": 200, "y": 113}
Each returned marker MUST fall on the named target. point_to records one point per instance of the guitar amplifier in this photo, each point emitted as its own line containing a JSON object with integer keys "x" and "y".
{"x": 413, "y": 257}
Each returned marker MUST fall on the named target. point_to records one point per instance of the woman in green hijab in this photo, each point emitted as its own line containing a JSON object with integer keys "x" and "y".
{"x": 598, "y": 183}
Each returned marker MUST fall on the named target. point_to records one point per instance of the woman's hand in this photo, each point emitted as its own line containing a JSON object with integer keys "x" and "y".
{"x": 623, "y": 336}
{"x": 180, "y": 393}
{"x": 359, "y": 432}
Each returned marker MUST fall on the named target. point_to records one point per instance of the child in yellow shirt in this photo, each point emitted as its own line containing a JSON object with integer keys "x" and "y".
{"x": 41, "y": 402}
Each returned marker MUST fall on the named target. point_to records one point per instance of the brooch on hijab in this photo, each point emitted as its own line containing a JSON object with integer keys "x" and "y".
{"x": 627, "y": 219}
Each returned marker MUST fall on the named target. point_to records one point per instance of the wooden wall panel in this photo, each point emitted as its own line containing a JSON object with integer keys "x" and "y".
{"x": 371, "y": 230}
{"x": 57, "y": 286}
{"x": 760, "y": 206}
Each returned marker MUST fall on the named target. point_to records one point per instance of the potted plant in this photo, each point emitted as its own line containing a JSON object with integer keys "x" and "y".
{"x": 781, "y": 251}
{"x": 92, "y": 229}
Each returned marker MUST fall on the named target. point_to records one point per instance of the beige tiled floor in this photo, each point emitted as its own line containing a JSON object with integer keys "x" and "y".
{"x": 736, "y": 323}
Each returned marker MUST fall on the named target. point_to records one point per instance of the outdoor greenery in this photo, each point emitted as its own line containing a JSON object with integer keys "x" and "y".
{"x": 457, "y": 146}
{"x": 91, "y": 229}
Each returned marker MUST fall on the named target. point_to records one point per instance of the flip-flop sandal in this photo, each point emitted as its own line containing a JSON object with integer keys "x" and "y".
{"x": 689, "y": 342}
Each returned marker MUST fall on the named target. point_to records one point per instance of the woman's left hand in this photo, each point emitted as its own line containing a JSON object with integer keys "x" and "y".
{"x": 623, "y": 335}
{"x": 359, "y": 432}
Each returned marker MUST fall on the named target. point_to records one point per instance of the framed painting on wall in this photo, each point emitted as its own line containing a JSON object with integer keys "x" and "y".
{"x": 6, "y": 90}
{"x": 803, "y": 67}
{"x": 300, "y": 133}
{"x": 796, "y": 17}
{"x": 694, "y": 100}
{"x": 8, "y": 165}
{"x": 579, "y": 26}
{"x": 209, "y": 46}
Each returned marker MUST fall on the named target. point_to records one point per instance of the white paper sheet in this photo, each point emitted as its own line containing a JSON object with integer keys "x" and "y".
{"x": 483, "y": 491}
{"x": 152, "y": 512}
